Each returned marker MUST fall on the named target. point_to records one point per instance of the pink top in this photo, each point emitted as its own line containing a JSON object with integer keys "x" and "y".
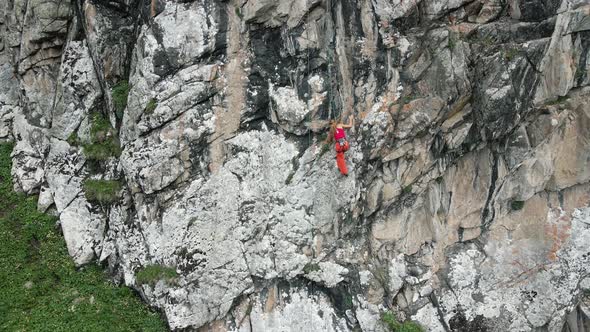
{"x": 339, "y": 133}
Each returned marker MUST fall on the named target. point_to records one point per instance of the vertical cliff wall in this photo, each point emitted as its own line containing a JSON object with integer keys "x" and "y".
{"x": 189, "y": 137}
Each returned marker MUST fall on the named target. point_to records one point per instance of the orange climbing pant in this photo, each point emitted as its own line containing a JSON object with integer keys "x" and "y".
{"x": 341, "y": 147}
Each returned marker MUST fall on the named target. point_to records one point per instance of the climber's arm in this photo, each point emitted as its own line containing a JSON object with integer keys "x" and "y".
{"x": 350, "y": 123}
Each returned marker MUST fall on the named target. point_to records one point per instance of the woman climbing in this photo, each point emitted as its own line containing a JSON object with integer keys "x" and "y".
{"x": 341, "y": 143}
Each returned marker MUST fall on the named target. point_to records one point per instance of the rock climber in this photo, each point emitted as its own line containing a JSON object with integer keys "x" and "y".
{"x": 341, "y": 143}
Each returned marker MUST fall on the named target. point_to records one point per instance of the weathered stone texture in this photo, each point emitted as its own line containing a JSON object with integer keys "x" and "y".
{"x": 466, "y": 206}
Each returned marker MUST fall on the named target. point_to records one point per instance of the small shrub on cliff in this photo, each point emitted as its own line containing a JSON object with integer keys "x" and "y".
{"x": 239, "y": 12}
{"x": 103, "y": 141}
{"x": 120, "y": 93}
{"x": 102, "y": 191}
{"x": 151, "y": 106}
{"x": 516, "y": 205}
{"x": 407, "y": 189}
{"x": 311, "y": 267}
{"x": 152, "y": 273}
{"x": 408, "y": 326}
{"x": 73, "y": 139}
{"x": 511, "y": 53}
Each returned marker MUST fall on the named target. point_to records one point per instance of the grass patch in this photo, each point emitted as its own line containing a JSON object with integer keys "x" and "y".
{"x": 102, "y": 191}
{"x": 408, "y": 326}
{"x": 151, "y": 106}
{"x": 152, "y": 273}
{"x": 120, "y": 93}
{"x": 103, "y": 140}
{"x": 40, "y": 288}
{"x": 516, "y": 205}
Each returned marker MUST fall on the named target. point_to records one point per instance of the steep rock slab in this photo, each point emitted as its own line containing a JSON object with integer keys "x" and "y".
{"x": 535, "y": 253}
{"x": 266, "y": 239}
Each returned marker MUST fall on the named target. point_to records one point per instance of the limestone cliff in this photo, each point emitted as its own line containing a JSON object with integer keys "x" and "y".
{"x": 468, "y": 203}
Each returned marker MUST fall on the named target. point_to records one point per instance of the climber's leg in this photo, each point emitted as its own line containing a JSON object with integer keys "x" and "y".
{"x": 341, "y": 163}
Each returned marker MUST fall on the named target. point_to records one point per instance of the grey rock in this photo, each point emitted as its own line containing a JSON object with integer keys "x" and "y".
{"x": 78, "y": 90}
{"x": 466, "y": 202}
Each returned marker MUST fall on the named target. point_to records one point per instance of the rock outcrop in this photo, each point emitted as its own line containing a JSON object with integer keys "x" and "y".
{"x": 467, "y": 206}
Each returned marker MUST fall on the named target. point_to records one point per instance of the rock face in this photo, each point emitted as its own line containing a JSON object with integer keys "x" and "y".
{"x": 467, "y": 206}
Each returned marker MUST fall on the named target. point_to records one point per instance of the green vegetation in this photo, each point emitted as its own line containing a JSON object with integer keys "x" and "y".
{"x": 289, "y": 178}
{"x": 103, "y": 141}
{"x": 311, "y": 267}
{"x": 120, "y": 93}
{"x": 484, "y": 40}
{"x": 511, "y": 53}
{"x": 152, "y": 273}
{"x": 452, "y": 41}
{"x": 73, "y": 139}
{"x": 517, "y": 205}
{"x": 348, "y": 300}
{"x": 559, "y": 100}
{"x": 324, "y": 148}
{"x": 239, "y": 12}
{"x": 408, "y": 326}
{"x": 403, "y": 101}
{"x": 40, "y": 288}
{"x": 151, "y": 106}
{"x": 102, "y": 191}
{"x": 407, "y": 189}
